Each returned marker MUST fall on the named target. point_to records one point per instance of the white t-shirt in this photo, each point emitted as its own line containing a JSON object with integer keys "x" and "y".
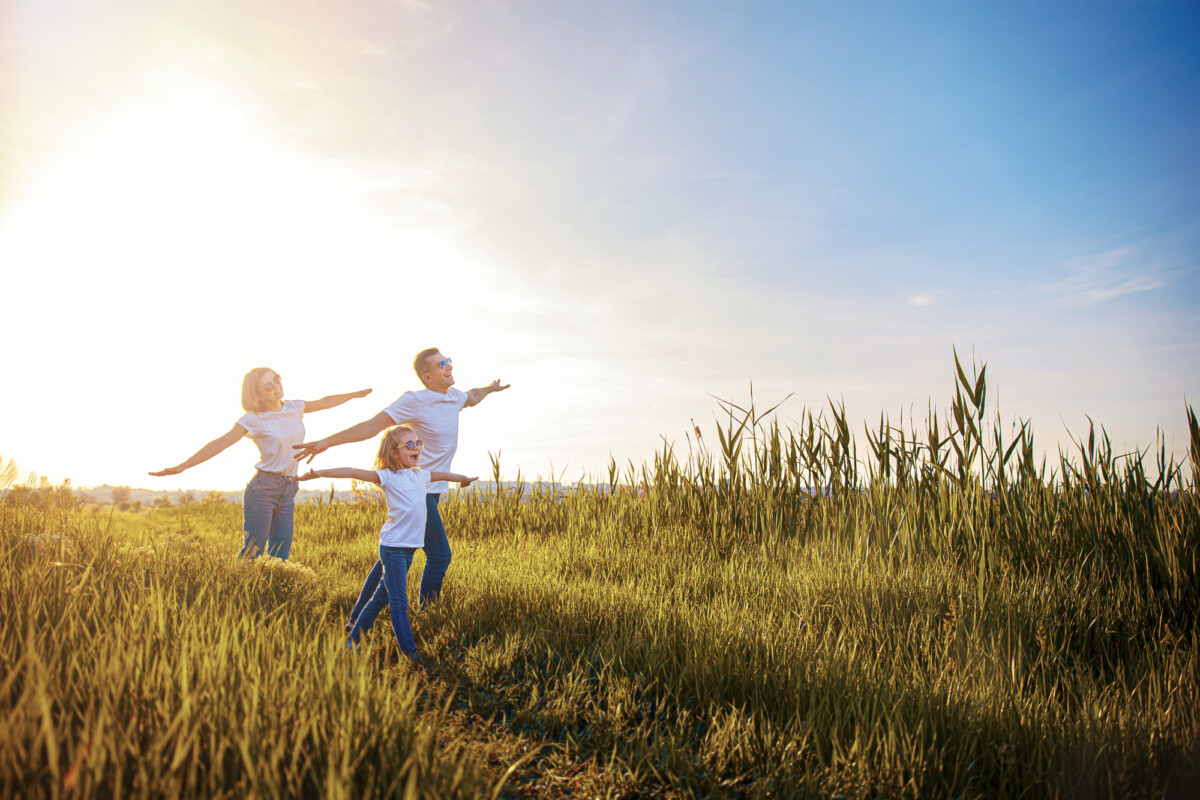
{"x": 405, "y": 493}
{"x": 275, "y": 432}
{"x": 434, "y": 416}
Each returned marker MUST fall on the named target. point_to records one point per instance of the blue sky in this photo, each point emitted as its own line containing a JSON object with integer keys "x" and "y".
{"x": 622, "y": 208}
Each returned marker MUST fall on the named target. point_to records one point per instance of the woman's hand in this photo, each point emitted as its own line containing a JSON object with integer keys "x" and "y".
{"x": 310, "y": 450}
{"x": 360, "y": 393}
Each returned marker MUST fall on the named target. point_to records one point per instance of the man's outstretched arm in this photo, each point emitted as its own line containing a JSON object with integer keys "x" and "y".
{"x": 363, "y": 430}
{"x": 475, "y": 396}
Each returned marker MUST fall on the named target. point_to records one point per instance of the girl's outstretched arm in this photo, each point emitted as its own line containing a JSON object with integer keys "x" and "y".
{"x": 453, "y": 477}
{"x": 205, "y": 453}
{"x": 341, "y": 472}
{"x": 333, "y": 400}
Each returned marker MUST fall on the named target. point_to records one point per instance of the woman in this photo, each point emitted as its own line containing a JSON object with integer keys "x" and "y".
{"x": 276, "y": 426}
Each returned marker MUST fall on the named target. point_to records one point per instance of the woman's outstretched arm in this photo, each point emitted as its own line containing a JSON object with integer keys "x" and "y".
{"x": 341, "y": 472}
{"x": 205, "y": 453}
{"x": 333, "y": 400}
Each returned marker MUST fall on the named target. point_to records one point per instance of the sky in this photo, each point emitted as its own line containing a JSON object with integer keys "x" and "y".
{"x": 629, "y": 211}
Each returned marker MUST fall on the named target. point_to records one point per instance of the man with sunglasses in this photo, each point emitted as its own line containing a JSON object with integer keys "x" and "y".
{"x": 433, "y": 413}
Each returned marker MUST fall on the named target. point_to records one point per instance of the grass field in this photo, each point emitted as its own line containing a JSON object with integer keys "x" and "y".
{"x": 946, "y": 617}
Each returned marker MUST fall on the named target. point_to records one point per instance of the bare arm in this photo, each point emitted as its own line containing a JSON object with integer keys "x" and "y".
{"x": 205, "y": 453}
{"x": 333, "y": 400}
{"x": 341, "y": 472}
{"x": 453, "y": 477}
{"x": 363, "y": 430}
{"x": 475, "y": 396}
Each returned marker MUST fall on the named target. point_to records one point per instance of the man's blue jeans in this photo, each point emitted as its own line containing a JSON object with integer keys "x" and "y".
{"x": 437, "y": 561}
{"x": 391, "y": 591}
{"x": 268, "y": 506}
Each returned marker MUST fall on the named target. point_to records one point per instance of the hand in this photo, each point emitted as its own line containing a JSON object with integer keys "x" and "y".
{"x": 465, "y": 482}
{"x": 308, "y": 476}
{"x": 310, "y": 450}
{"x": 496, "y": 387}
{"x": 360, "y": 393}
{"x": 168, "y": 471}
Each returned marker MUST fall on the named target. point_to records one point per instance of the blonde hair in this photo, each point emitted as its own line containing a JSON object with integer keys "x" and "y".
{"x": 388, "y": 445}
{"x": 251, "y": 396}
{"x": 423, "y": 356}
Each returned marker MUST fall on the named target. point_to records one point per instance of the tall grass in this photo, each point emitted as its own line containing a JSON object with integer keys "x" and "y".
{"x": 773, "y": 615}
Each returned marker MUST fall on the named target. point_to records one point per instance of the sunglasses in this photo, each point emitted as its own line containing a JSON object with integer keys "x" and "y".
{"x": 411, "y": 444}
{"x": 445, "y": 362}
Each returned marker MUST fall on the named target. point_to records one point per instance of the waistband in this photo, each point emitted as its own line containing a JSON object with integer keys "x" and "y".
{"x": 276, "y": 475}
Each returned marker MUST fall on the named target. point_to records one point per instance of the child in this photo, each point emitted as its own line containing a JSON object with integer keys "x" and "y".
{"x": 404, "y": 485}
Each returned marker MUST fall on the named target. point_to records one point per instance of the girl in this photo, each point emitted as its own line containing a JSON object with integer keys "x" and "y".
{"x": 276, "y": 427}
{"x": 404, "y": 485}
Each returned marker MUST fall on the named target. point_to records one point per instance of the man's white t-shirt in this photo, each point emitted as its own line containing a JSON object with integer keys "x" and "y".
{"x": 405, "y": 493}
{"x": 275, "y": 432}
{"x": 434, "y": 416}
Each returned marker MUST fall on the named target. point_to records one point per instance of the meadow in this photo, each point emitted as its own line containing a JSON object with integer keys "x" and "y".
{"x": 769, "y": 614}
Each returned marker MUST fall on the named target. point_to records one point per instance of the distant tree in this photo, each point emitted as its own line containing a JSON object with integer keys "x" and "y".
{"x": 123, "y": 506}
{"x": 135, "y": 506}
{"x": 187, "y": 499}
{"x": 214, "y": 498}
{"x": 120, "y": 494}
{"x": 162, "y": 501}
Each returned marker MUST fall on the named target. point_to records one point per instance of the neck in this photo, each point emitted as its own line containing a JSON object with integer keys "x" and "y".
{"x": 276, "y": 406}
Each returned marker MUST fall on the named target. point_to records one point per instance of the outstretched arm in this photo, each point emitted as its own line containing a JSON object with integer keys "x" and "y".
{"x": 341, "y": 472}
{"x": 363, "y": 430}
{"x": 205, "y": 453}
{"x": 453, "y": 477}
{"x": 475, "y": 396}
{"x": 333, "y": 400}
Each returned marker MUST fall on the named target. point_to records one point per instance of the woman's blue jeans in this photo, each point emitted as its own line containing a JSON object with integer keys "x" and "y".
{"x": 391, "y": 591}
{"x": 437, "y": 561}
{"x": 268, "y": 506}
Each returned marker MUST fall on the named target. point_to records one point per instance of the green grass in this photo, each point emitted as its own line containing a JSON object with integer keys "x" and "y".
{"x": 951, "y": 619}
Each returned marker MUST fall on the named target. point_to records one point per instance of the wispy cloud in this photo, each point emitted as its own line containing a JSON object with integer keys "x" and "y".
{"x": 925, "y": 298}
{"x": 1107, "y": 276}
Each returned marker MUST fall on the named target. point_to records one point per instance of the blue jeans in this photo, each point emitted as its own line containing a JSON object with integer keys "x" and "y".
{"x": 392, "y": 592}
{"x": 268, "y": 506}
{"x": 437, "y": 561}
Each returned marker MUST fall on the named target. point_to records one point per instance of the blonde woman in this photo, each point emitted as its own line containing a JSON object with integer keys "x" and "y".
{"x": 276, "y": 426}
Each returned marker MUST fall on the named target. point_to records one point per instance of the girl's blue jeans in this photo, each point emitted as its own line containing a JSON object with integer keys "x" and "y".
{"x": 391, "y": 591}
{"x": 268, "y": 506}
{"x": 437, "y": 561}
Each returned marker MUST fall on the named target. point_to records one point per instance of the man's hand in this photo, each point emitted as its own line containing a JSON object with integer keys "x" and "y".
{"x": 310, "y": 450}
{"x": 495, "y": 386}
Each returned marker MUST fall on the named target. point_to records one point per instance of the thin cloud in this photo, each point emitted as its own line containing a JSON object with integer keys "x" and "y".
{"x": 926, "y": 298}
{"x": 1107, "y": 276}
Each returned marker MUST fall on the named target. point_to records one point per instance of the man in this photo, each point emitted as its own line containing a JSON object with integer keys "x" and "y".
{"x": 433, "y": 413}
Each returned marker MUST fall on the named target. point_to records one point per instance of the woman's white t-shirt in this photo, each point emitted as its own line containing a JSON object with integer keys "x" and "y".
{"x": 275, "y": 432}
{"x": 405, "y": 493}
{"x": 434, "y": 417}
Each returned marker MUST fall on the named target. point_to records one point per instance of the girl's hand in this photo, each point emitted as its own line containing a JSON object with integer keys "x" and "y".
{"x": 310, "y": 475}
{"x": 168, "y": 471}
{"x": 360, "y": 393}
{"x": 467, "y": 481}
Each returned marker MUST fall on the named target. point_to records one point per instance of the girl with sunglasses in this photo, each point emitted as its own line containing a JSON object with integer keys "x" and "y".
{"x": 404, "y": 485}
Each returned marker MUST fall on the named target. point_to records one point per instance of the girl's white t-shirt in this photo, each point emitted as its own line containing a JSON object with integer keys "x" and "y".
{"x": 275, "y": 432}
{"x": 434, "y": 417}
{"x": 405, "y": 493}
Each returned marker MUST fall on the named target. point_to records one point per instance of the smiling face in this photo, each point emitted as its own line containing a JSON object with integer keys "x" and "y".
{"x": 404, "y": 449}
{"x": 439, "y": 373}
{"x": 270, "y": 390}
